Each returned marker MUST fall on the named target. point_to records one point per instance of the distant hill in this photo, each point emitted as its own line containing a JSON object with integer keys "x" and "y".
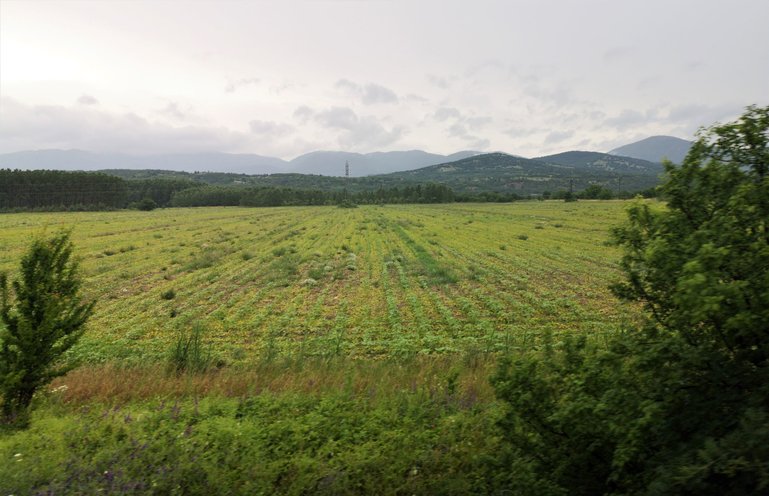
{"x": 468, "y": 172}
{"x": 189, "y": 162}
{"x": 501, "y": 172}
{"x": 328, "y": 163}
{"x": 597, "y": 162}
{"x": 490, "y": 172}
{"x": 656, "y": 148}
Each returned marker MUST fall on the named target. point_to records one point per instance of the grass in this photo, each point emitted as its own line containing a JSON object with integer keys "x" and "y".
{"x": 412, "y": 441}
{"x": 346, "y": 351}
{"x": 400, "y": 278}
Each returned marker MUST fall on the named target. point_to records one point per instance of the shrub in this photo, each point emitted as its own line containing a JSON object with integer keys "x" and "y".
{"x": 146, "y": 204}
{"x": 168, "y": 295}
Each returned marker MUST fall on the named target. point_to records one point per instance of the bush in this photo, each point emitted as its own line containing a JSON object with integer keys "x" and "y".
{"x": 145, "y": 204}
{"x": 678, "y": 406}
{"x": 168, "y": 295}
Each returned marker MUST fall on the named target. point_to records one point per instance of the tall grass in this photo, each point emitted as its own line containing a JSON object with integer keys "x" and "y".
{"x": 189, "y": 354}
{"x": 115, "y": 383}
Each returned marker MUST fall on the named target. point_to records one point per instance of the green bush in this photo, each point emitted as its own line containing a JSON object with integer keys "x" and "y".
{"x": 679, "y": 405}
{"x": 168, "y": 295}
{"x": 337, "y": 443}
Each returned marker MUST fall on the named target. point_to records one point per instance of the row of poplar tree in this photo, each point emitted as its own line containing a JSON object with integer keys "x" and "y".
{"x": 60, "y": 190}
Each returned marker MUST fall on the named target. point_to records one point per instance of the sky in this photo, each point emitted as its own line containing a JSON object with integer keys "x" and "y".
{"x": 283, "y": 78}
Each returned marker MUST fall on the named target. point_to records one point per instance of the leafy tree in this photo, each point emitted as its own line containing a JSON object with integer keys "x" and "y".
{"x": 596, "y": 192}
{"x": 42, "y": 319}
{"x": 680, "y": 406}
{"x": 146, "y": 204}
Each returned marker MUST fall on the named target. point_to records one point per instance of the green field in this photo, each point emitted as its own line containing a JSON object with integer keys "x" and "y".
{"x": 321, "y": 281}
{"x": 354, "y": 346}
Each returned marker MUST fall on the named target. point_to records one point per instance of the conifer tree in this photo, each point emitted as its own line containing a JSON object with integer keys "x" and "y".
{"x": 42, "y": 316}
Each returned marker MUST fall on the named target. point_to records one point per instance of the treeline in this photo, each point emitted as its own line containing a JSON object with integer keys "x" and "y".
{"x": 209, "y": 196}
{"x": 55, "y": 190}
{"x": 60, "y": 190}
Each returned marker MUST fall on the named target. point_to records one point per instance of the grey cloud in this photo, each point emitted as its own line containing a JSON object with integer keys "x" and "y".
{"x": 369, "y": 94}
{"x": 558, "y": 136}
{"x": 87, "y": 100}
{"x": 279, "y": 89}
{"x": 483, "y": 66}
{"x": 618, "y": 53}
{"x": 358, "y": 132}
{"x": 173, "y": 110}
{"x": 347, "y": 85}
{"x": 686, "y": 118}
{"x": 444, "y": 113}
{"x": 522, "y": 131}
{"x": 303, "y": 113}
{"x": 559, "y": 94}
{"x": 49, "y": 126}
{"x": 458, "y": 131}
{"x": 374, "y": 93}
{"x": 234, "y": 85}
{"x": 412, "y": 97}
{"x": 440, "y": 82}
{"x": 476, "y": 123}
{"x": 690, "y": 117}
{"x": 462, "y": 124}
{"x": 694, "y": 65}
{"x": 270, "y": 128}
{"x": 626, "y": 119}
{"x": 704, "y": 114}
{"x": 337, "y": 117}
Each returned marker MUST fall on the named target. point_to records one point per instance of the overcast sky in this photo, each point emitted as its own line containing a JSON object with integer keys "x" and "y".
{"x": 282, "y": 78}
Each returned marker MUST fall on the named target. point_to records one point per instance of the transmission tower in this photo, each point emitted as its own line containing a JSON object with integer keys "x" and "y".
{"x": 346, "y": 169}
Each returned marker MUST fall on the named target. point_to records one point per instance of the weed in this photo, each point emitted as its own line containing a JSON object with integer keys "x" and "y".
{"x": 189, "y": 354}
{"x": 168, "y": 295}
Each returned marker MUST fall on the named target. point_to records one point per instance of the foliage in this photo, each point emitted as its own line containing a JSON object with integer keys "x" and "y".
{"x": 45, "y": 320}
{"x": 596, "y": 192}
{"x": 189, "y": 354}
{"x": 168, "y": 294}
{"x": 145, "y": 205}
{"x": 409, "y": 442}
{"x": 159, "y": 190}
{"x": 58, "y": 190}
{"x": 680, "y": 406}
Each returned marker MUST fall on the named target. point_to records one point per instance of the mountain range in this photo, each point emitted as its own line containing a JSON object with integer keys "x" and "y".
{"x": 327, "y": 163}
{"x": 656, "y": 149}
{"x": 467, "y": 171}
{"x": 501, "y": 172}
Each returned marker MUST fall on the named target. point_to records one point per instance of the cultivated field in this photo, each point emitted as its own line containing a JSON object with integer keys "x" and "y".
{"x": 324, "y": 281}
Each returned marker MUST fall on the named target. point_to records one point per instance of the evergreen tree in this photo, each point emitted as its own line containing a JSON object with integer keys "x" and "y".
{"x": 42, "y": 319}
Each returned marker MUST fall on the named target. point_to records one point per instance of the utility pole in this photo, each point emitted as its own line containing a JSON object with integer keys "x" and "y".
{"x": 619, "y": 186}
{"x": 571, "y": 186}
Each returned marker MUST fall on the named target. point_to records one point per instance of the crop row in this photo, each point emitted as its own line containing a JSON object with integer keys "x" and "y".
{"x": 371, "y": 281}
